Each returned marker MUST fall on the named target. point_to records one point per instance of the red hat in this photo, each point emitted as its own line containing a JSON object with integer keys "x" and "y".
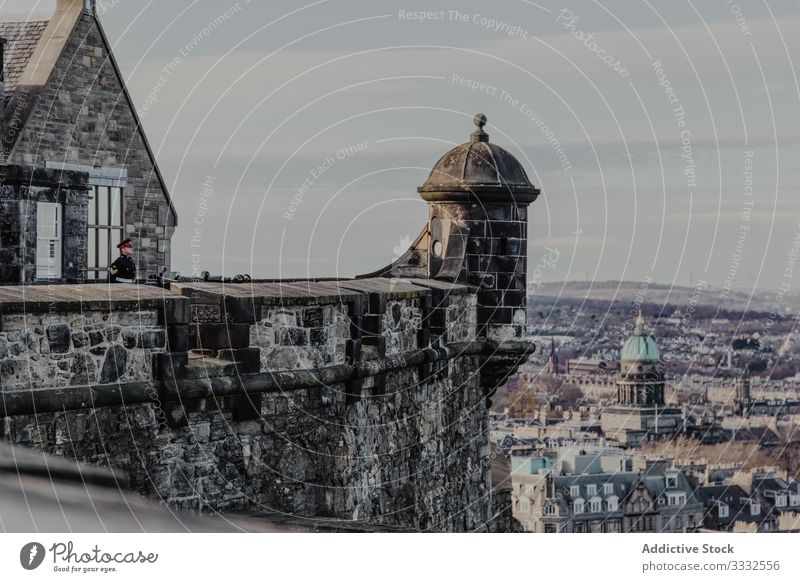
{"x": 126, "y": 243}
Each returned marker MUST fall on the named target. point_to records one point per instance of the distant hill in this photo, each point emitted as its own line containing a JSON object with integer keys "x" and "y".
{"x": 628, "y": 292}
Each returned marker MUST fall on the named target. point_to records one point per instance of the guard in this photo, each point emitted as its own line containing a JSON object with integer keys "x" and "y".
{"x": 123, "y": 270}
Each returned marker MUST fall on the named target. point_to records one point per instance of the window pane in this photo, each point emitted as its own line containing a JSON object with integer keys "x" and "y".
{"x": 93, "y": 206}
{"x": 46, "y": 221}
{"x": 48, "y": 243}
{"x": 116, "y": 238}
{"x": 57, "y": 221}
{"x": 102, "y": 248}
{"x": 116, "y": 206}
{"x": 102, "y": 205}
{"x": 92, "y": 246}
{"x": 42, "y": 252}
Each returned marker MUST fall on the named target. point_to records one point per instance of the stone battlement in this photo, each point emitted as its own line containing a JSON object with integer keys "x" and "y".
{"x": 351, "y": 399}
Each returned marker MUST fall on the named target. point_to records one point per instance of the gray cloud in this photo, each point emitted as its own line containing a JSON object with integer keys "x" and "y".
{"x": 259, "y": 107}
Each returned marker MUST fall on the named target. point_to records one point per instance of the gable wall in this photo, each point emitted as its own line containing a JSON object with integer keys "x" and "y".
{"x": 82, "y": 117}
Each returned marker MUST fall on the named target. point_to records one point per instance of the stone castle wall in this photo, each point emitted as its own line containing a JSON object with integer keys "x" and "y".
{"x": 68, "y": 349}
{"x": 414, "y": 457}
{"x": 407, "y": 447}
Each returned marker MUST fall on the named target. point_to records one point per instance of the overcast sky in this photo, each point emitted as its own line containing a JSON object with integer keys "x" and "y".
{"x": 253, "y": 96}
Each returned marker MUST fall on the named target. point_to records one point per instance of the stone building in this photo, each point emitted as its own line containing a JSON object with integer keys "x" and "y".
{"x": 360, "y": 401}
{"x": 782, "y": 494}
{"x": 66, "y": 109}
{"x": 656, "y": 501}
{"x": 640, "y": 413}
{"x": 730, "y": 508}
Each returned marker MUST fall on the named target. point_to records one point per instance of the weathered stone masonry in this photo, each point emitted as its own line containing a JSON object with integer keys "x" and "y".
{"x": 21, "y": 187}
{"x": 405, "y": 448}
{"x": 357, "y": 399}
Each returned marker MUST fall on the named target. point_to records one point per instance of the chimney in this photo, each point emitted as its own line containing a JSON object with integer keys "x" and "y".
{"x": 75, "y": 5}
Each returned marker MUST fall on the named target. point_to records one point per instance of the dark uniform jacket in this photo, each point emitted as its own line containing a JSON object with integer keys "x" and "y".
{"x": 126, "y": 269}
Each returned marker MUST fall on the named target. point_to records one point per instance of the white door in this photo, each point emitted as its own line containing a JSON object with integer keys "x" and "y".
{"x": 48, "y": 240}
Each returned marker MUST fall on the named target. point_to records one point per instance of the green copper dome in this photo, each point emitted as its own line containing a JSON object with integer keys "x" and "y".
{"x": 641, "y": 346}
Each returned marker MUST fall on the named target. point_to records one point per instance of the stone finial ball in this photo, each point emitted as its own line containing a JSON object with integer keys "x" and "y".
{"x": 479, "y": 119}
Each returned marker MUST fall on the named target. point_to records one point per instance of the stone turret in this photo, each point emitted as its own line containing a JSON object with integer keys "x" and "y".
{"x": 478, "y": 228}
{"x": 477, "y": 234}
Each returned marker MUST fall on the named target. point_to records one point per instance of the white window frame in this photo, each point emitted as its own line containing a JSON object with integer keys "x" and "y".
{"x": 608, "y": 488}
{"x": 578, "y": 506}
{"x": 723, "y": 509}
{"x": 52, "y": 270}
{"x": 676, "y": 499}
{"x": 575, "y": 491}
{"x": 591, "y": 490}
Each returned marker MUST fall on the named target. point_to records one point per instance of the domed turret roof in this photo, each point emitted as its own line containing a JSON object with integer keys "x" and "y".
{"x": 478, "y": 171}
{"x": 641, "y": 346}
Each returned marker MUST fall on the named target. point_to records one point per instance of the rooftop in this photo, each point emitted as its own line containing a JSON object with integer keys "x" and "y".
{"x": 22, "y": 37}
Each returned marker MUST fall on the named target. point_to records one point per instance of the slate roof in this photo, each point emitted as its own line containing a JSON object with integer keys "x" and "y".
{"x": 22, "y": 37}
{"x": 738, "y": 502}
{"x": 621, "y": 484}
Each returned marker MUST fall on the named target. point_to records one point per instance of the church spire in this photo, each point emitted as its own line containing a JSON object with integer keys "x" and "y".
{"x": 552, "y": 359}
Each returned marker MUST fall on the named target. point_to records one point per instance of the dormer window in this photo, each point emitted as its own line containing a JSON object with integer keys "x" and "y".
{"x": 676, "y": 499}
{"x": 578, "y": 506}
{"x": 608, "y": 488}
{"x": 591, "y": 490}
{"x": 575, "y": 491}
{"x": 723, "y": 509}
{"x": 755, "y": 508}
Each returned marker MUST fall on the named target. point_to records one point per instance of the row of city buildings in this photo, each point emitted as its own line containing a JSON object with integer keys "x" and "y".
{"x": 579, "y": 470}
{"x": 657, "y": 496}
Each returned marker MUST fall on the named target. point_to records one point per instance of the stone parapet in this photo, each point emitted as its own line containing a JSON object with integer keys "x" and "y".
{"x": 356, "y": 400}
